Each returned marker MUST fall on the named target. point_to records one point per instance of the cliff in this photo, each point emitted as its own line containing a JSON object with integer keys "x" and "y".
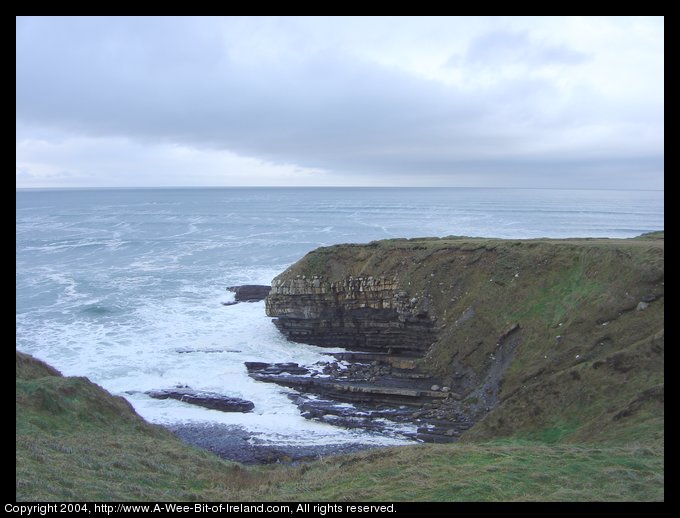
{"x": 363, "y": 313}
{"x": 550, "y": 337}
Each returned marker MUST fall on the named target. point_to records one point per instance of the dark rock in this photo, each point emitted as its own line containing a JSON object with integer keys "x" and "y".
{"x": 210, "y": 400}
{"x": 350, "y": 384}
{"x": 362, "y": 314}
{"x": 269, "y": 369}
{"x": 185, "y": 350}
{"x": 467, "y": 315}
{"x": 382, "y": 404}
{"x": 237, "y": 444}
{"x": 651, "y": 395}
{"x": 249, "y": 293}
{"x": 256, "y": 366}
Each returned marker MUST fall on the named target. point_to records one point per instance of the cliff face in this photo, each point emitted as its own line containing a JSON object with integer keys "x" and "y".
{"x": 359, "y": 313}
{"x": 536, "y": 336}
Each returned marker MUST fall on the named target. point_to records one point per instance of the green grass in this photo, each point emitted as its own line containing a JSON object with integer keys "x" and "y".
{"x": 553, "y": 302}
{"x": 553, "y": 434}
{"x": 485, "y": 472}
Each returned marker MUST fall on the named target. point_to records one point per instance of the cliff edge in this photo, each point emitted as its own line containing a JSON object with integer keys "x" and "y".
{"x": 546, "y": 339}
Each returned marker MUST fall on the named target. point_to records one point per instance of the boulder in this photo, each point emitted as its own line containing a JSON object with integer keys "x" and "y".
{"x": 210, "y": 400}
{"x": 249, "y": 292}
{"x": 275, "y": 368}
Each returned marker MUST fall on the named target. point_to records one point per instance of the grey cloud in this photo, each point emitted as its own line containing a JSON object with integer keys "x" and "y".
{"x": 323, "y": 108}
{"x": 500, "y": 47}
{"x": 170, "y": 80}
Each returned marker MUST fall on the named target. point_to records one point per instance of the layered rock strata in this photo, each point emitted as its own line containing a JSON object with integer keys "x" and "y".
{"x": 366, "y": 394}
{"x": 359, "y": 313}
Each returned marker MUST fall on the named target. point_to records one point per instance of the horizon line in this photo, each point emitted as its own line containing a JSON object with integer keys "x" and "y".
{"x": 196, "y": 187}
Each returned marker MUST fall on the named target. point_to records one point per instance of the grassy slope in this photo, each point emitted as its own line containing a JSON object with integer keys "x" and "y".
{"x": 575, "y": 429}
{"x": 511, "y": 471}
{"x": 74, "y": 441}
{"x": 589, "y": 368}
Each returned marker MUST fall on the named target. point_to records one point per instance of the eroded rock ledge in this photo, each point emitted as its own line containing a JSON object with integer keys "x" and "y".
{"x": 359, "y": 313}
{"x": 204, "y": 399}
{"x": 248, "y": 293}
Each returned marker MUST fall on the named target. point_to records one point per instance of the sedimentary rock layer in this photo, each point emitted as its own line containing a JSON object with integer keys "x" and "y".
{"x": 360, "y": 313}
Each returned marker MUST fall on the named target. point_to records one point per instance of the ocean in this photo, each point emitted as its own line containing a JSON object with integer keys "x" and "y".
{"x": 125, "y": 286}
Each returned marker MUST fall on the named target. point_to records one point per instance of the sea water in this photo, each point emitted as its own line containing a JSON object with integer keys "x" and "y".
{"x": 125, "y": 286}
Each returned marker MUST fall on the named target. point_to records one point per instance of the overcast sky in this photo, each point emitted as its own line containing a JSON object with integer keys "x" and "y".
{"x": 507, "y": 102}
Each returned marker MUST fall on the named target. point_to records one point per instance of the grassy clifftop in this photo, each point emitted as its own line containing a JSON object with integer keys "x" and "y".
{"x": 590, "y": 313}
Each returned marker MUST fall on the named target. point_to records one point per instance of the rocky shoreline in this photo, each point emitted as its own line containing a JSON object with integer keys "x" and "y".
{"x": 369, "y": 394}
{"x": 236, "y": 444}
{"x": 377, "y": 386}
